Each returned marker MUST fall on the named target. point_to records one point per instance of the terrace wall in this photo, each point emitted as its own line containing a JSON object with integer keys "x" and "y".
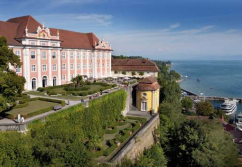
{"x": 144, "y": 138}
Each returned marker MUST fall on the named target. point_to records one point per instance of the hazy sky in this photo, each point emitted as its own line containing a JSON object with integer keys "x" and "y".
{"x": 158, "y": 29}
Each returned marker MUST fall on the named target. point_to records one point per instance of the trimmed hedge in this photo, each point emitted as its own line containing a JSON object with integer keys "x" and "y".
{"x": 142, "y": 120}
{"x": 24, "y": 96}
{"x": 114, "y": 130}
{"x": 61, "y": 102}
{"x": 122, "y": 123}
{"x": 38, "y": 112}
{"x": 98, "y": 153}
{"x": 83, "y": 94}
{"x": 41, "y": 89}
{"x": 110, "y": 149}
{"x": 21, "y": 105}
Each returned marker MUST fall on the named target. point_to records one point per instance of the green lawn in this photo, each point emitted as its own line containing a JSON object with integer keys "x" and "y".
{"x": 36, "y": 93}
{"x": 32, "y": 107}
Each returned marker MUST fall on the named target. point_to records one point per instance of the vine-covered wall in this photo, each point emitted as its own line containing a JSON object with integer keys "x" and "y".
{"x": 60, "y": 140}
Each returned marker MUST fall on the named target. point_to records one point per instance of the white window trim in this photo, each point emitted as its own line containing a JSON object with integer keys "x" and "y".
{"x": 31, "y": 55}
{"x": 63, "y": 77}
{"x": 55, "y": 67}
{"x": 62, "y": 66}
{"x": 71, "y": 66}
{"x": 64, "y": 55}
{"x": 42, "y": 55}
{"x": 43, "y": 68}
{"x": 34, "y": 68}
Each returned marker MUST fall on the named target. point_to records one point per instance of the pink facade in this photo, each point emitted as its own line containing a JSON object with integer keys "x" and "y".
{"x": 52, "y": 57}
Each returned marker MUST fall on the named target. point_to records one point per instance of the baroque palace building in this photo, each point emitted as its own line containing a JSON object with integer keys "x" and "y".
{"x": 52, "y": 56}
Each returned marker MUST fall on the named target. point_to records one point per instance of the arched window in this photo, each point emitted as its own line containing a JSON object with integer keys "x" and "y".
{"x": 54, "y": 81}
{"x": 44, "y": 81}
{"x": 33, "y": 84}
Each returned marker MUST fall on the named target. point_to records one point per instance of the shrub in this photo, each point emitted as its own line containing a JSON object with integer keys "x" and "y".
{"x": 110, "y": 149}
{"x": 21, "y": 105}
{"x": 97, "y": 153}
{"x": 85, "y": 88}
{"x": 141, "y": 73}
{"x": 142, "y": 120}
{"x": 83, "y": 94}
{"x": 114, "y": 85}
{"x": 41, "y": 89}
{"x": 51, "y": 93}
{"x": 87, "y": 83}
{"x": 114, "y": 130}
{"x": 61, "y": 102}
{"x": 90, "y": 92}
{"x": 124, "y": 72}
{"x": 69, "y": 88}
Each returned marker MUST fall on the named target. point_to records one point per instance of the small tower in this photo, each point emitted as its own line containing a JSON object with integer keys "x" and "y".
{"x": 148, "y": 95}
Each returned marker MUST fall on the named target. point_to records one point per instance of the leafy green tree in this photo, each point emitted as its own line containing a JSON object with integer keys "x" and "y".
{"x": 124, "y": 72}
{"x": 171, "y": 93}
{"x": 16, "y": 150}
{"x": 141, "y": 73}
{"x": 115, "y": 72}
{"x": 11, "y": 85}
{"x": 187, "y": 103}
{"x": 7, "y": 56}
{"x": 156, "y": 156}
{"x": 205, "y": 108}
{"x": 174, "y": 75}
{"x": 77, "y": 81}
{"x": 133, "y": 73}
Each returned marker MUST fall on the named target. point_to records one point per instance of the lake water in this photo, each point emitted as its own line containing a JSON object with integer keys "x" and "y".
{"x": 221, "y": 78}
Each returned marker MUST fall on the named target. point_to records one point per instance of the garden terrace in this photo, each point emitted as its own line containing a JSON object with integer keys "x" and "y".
{"x": 31, "y": 107}
{"x": 71, "y": 92}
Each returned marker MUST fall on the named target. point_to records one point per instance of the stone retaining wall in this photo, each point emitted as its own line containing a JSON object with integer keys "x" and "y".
{"x": 144, "y": 138}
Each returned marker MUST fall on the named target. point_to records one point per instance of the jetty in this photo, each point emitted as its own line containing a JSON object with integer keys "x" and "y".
{"x": 211, "y": 98}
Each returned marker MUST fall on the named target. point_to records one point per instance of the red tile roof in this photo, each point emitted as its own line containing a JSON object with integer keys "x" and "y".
{"x": 148, "y": 84}
{"x": 134, "y": 65}
{"x": 15, "y": 28}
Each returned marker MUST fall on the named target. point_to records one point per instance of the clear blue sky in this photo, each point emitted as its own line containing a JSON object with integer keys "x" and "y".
{"x": 158, "y": 29}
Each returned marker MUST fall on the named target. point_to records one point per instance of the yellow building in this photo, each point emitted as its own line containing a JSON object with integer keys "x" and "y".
{"x": 148, "y": 95}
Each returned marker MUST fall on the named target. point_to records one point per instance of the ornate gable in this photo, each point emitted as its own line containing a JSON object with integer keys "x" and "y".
{"x": 43, "y": 32}
{"x": 102, "y": 45}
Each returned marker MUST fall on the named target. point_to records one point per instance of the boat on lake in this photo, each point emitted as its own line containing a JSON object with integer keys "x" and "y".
{"x": 239, "y": 121}
{"x": 229, "y": 106}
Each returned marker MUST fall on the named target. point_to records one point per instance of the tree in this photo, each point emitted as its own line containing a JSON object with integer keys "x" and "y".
{"x": 7, "y": 56}
{"x": 171, "y": 93}
{"x": 77, "y": 81}
{"x": 124, "y": 72}
{"x": 187, "y": 103}
{"x": 174, "y": 75}
{"x": 141, "y": 73}
{"x": 115, "y": 72}
{"x": 205, "y": 108}
{"x": 11, "y": 85}
{"x": 156, "y": 154}
{"x": 133, "y": 73}
{"x": 16, "y": 150}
